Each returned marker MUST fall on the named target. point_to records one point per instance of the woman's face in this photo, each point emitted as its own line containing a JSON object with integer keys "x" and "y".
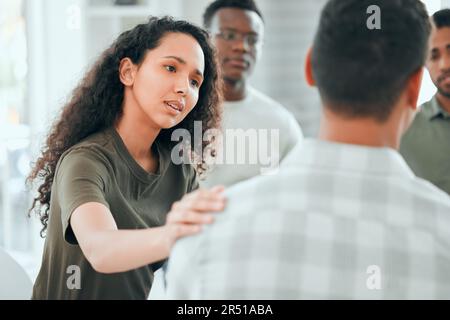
{"x": 165, "y": 87}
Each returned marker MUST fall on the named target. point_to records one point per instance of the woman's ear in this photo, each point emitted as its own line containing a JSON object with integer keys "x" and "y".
{"x": 308, "y": 69}
{"x": 127, "y": 71}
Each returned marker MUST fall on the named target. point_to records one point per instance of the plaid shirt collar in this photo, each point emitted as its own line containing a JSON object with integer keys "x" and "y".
{"x": 348, "y": 157}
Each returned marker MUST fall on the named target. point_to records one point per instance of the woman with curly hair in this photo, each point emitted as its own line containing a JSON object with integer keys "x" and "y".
{"x": 112, "y": 203}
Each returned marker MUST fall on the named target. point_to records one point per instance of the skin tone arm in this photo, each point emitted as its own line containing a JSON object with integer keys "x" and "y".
{"x": 110, "y": 250}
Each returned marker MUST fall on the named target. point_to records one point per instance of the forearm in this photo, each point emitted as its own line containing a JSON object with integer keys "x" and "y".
{"x": 110, "y": 250}
{"x": 122, "y": 250}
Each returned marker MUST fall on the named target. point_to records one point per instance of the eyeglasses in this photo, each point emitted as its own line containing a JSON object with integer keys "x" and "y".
{"x": 231, "y": 35}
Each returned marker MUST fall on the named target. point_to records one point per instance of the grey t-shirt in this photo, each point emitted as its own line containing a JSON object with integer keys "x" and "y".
{"x": 100, "y": 169}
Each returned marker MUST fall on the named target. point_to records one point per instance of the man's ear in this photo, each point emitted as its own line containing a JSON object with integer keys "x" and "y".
{"x": 308, "y": 69}
{"x": 127, "y": 71}
{"x": 413, "y": 88}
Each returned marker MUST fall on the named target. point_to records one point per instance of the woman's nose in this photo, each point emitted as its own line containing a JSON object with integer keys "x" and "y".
{"x": 182, "y": 85}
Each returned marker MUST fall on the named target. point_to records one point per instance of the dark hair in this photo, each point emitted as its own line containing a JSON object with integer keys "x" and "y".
{"x": 219, "y": 4}
{"x": 96, "y": 103}
{"x": 441, "y": 18}
{"x": 361, "y": 72}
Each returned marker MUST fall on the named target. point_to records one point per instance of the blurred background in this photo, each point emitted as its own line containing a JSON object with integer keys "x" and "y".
{"x": 47, "y": 45}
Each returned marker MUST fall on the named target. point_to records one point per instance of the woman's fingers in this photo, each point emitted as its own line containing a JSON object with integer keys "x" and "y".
{"x": 198, "y": 204}
{"x": 203, "y": 201}
{"x": 213, "y": 193}
{"x": 195, "y": 209}
{"x": 190, "y": 217}
{"x": 218, "y": 188}
{"x": 201, "y": 205}
{"x": 183, "y": 230}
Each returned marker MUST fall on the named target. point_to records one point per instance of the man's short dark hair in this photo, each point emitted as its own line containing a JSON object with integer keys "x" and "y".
{"x": 361, "y": 72}
{"x": 441, "y": 18}
{"x": 219, "y": 4}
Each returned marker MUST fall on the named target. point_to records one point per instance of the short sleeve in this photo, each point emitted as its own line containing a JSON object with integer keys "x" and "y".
{"x": 80, "y": 179}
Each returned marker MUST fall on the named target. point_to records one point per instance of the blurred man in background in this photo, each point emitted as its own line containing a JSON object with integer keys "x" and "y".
{"x": 258, "y": 132}
{"x": 426, "y": 145}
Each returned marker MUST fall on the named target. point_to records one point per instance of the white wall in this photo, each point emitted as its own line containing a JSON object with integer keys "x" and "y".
{"x": 290, "y": 26}
{"x": 56, "y": 58}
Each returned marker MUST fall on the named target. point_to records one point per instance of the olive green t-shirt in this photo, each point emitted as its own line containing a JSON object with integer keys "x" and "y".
{"x": 100, "y": 169}
{"x": 426, "y": 145}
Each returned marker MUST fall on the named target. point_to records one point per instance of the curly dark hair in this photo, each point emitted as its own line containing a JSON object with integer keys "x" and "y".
{"x": 96, "y": 103}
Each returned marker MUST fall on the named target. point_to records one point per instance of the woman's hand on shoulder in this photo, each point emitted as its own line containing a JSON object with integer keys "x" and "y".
{"x": 195, "y": 209}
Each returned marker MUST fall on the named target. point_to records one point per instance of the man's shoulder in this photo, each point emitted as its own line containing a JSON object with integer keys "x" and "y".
{"x": 266, "y": 101}
{"x": 424, "y": 113}
{"x": 290, "y": 176}
{"x": 419, "y": 131}
{"x": 267, "y": 112}
{"x": 268, "y": 105}
{"x": 426, "y": 192}
{"x": 261, "y": 96}
{"x": 267, "y": 199}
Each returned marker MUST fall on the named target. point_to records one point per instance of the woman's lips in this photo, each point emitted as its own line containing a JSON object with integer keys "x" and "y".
{"x": 174, "y": 107}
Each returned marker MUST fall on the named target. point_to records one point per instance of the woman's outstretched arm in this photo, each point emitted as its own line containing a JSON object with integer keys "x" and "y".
{"x": 110, "y": 250}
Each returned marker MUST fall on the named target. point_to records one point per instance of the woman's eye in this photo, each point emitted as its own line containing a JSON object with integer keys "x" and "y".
{"x": 195, "y": 83}
{"x": 170, "y": 68}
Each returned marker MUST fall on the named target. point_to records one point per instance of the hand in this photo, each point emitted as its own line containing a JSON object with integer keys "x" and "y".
{"x": 187, "y": 216}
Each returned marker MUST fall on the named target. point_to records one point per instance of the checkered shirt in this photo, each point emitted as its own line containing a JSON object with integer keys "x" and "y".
{"x": 336, "y": 221}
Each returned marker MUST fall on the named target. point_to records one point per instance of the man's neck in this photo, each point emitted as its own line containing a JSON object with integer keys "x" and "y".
{"x": 234, "y": 90}
{"x": 444, "y": 102}
{"x": 361, "y": 131}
